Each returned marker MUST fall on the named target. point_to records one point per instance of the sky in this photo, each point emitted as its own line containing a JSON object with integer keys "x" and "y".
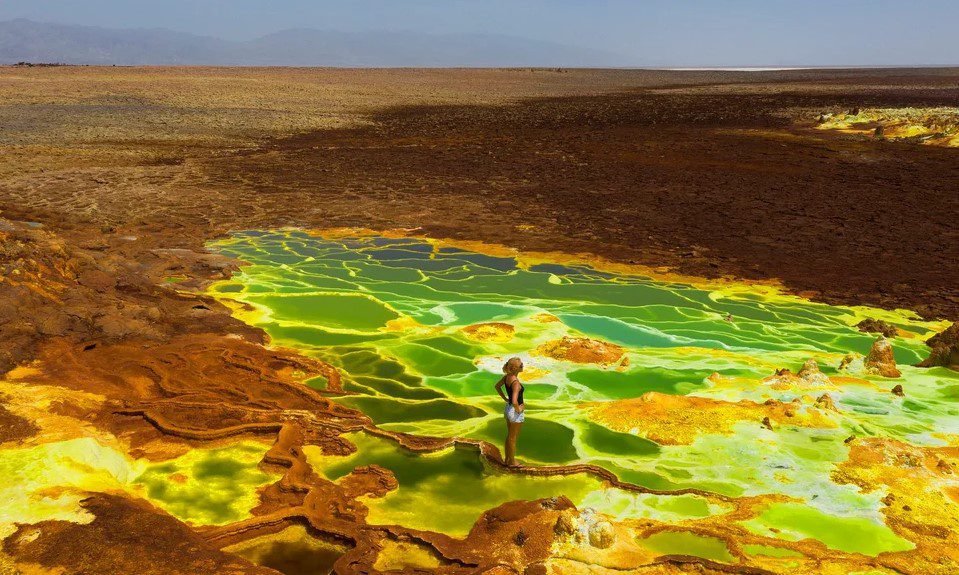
{"x": 679, "y": 33}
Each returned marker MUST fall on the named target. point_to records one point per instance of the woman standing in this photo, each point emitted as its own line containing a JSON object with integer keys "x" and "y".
{"x": 515, "y": 409}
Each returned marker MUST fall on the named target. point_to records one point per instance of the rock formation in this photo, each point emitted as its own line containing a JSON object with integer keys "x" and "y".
{"x": 881, "y": 360}
{"x": 810, "y": 373}
{"x": 853, "y": 363}
{"x": 945, "y": 349}
{"x": 825, "y": 401}
{"x": 601, "y": 535}
{"x": 877, "y": 326}
{"x": 584, "y": 526}
{"x": 809, "y": 376}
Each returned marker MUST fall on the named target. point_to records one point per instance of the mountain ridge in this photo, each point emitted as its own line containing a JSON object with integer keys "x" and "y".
{"x": 29, "y": 41}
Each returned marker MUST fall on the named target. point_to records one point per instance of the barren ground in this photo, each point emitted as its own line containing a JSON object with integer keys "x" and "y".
{"x": 129, "y": 172}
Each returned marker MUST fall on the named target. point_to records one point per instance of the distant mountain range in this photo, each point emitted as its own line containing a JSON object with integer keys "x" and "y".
{"x": 29, "y": 41}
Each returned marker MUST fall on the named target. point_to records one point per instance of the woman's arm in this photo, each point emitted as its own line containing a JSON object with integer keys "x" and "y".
{"x": 514, "y": 395}
{"x": 499, "y": 388}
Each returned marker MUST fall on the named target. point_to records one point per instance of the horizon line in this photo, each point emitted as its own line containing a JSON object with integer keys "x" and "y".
{"x": 662, "y": 68}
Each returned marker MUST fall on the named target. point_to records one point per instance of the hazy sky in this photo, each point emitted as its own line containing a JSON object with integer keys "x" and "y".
{"x": 646, "y": 32}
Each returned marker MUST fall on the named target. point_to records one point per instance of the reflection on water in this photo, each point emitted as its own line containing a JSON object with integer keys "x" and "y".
{"x": 293, "y": 551}
{"x": 684, "y": 543}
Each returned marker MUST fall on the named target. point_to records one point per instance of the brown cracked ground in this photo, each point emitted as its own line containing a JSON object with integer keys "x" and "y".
{"x": 129, "y": 172}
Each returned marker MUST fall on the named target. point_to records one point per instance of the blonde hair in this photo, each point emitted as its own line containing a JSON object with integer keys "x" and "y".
{"x": 508, "y": 366}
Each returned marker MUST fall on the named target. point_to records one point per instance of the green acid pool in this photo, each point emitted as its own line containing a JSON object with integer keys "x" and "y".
{"x": 390, "y": 313}
{"x": 459, "y": 482}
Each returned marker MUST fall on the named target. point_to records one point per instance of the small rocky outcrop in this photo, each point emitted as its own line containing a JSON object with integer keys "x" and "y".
{"x": 810, "y": 373}
{"x": 877, "y": 326}
{"x": 585, "y": 526}
{"x": 880, "y": 360}
{"x": 825, "y": 401}
{"x": 809, "y": 367}
{"x": 808, "y": 376}
{"x": 853, "y": 363}
{"x": 566, "y": 523}
{"x": 945, "y": 349}
{"x": 602, "y": 535}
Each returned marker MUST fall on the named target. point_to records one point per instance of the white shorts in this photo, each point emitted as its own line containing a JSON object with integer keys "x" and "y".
{"x": 514, "y": 416}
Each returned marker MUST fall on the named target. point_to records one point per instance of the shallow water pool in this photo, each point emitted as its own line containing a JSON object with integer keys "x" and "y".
{"x": 420, "y": 329}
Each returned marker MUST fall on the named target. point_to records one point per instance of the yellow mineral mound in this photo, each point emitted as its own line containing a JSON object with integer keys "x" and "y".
{"x": 402, "y": 323}
{"x": 584, "y": 350}
{"x": 545, "y": 318}
{"x": 496, "y": 332}
{"x": 679, "y": 419}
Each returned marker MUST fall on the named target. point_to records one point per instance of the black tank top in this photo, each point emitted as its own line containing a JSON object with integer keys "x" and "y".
{"x": 519, "y": 398}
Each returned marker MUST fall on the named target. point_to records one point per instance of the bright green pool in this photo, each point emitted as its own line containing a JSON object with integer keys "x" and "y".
{"x": 390, "y": 313}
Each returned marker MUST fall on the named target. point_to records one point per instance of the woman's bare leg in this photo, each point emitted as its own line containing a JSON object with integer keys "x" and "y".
{"x": 512, "y": 432}
{"x": 517, "y": 427}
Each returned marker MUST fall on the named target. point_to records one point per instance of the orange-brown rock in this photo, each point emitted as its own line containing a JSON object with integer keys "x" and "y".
{"x": 584, "y": 350}
{"x": 369, "y": 481}
{"x": 825, "y": 401}
{"x": 204, "y": 368}
{"x": 53, "y": 288}
{"x": 146, "y": 541}
{"x": 879, "y": 326}
{"x": 881, "y": 360}
{"x": 945, "y": 349}
{"x": 566, "y": 524}
{"x": 14, "y": 428}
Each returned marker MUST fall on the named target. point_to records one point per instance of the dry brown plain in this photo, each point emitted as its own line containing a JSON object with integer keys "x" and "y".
{"x": 129, "y": 171}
